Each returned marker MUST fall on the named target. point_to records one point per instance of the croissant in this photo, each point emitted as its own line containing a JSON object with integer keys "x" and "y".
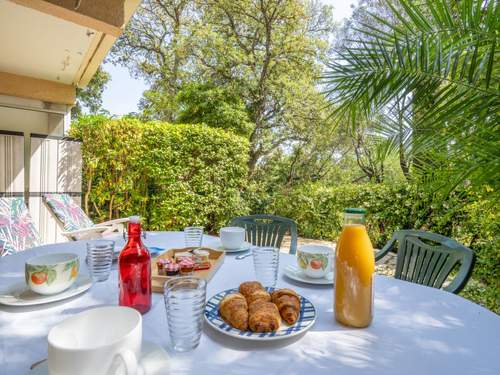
{"x": 288, "y": 304}
{"x": 254, "y": 291}
{"x": 249, "y": 287}
{"x": 263, "y": 317}
{"x": 258, "y": 295}
{"x": 234, "y": 310}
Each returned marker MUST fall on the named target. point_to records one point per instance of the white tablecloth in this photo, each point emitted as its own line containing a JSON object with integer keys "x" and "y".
{"x": 416, "y": 330}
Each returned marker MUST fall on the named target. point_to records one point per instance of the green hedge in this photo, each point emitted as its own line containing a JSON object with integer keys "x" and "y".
{"x": 178, "y": 175}
{"x": 171, "y": 175}
{"x": 318, "y": 209}
{"x": 468, "y": 217}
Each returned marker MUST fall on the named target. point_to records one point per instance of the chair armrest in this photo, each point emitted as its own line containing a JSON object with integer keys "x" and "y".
{"x": 388, "y": 247}
{"x": 115, "y": 225}
{"x": 114, "y": 221}
{"x": 94, "y": 229}
{"x": 86, "y": 230}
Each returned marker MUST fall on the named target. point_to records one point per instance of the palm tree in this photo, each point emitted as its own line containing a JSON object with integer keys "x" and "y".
{"x": 429, "y": 76}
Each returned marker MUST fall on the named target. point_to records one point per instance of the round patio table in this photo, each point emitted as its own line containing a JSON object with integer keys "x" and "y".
{"x": 416, "y": 330}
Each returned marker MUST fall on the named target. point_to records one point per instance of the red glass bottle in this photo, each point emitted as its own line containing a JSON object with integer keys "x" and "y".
{"x": 134, "y": 270}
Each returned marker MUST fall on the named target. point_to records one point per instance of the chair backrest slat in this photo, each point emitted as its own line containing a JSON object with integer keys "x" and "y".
{"x": 450, "y": 263}
{"x": 252, "y": 232}
{"x": 267, "y": 230}
{"x": 278, "y": 235}
{"x": 262, "y": 235}
{"x": 426, "y": 259}
{"x": 437, "y": 269}
{"x": 430, "y": 267}
{"x": 417, "y": 274}
{"x": 431, "y": 262}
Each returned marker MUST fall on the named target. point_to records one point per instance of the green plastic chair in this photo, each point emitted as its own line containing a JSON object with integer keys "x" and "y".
{"x": 430, "y": 264}
{"x": 267, "y": 230}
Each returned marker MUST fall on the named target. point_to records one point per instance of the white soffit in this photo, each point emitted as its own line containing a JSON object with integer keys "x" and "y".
{"x": 38, "y": 45}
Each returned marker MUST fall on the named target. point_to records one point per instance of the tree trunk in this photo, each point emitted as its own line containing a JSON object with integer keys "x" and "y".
{"x": 252, "y": 162}
{"x": 402, "y": 157}
{"x": 404, "y": 164}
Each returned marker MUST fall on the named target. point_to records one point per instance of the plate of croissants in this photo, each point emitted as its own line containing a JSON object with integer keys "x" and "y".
{"x": 252, "y": 312}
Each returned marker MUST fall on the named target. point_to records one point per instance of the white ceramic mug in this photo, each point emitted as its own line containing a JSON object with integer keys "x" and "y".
{"x": 315, "y": 260}
{"x": 232, "y": 238}
{"x": 102, "y": 341}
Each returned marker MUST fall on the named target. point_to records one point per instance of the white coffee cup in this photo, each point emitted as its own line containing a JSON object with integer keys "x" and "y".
{"x": 315, "y": 260}
{"x": 101, "y": 341}
{"x": 232, "y": 238}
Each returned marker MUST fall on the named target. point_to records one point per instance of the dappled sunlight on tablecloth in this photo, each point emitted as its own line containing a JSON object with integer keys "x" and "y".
{"x": 228, "y": 356}
{"x": 436, "y": 346}
{"x": 350, "y": 350}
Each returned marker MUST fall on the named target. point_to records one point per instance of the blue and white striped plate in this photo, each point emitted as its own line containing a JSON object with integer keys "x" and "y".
{"x": 306, "y": 320}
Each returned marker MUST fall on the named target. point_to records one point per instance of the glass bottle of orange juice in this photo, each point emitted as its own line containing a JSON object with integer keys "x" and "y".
{"x": 354, "y": 267}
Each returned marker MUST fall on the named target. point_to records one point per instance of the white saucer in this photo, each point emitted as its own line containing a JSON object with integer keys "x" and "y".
{"x": 246, "y": 246}
{"x": 19, "y": 294}
{"x": 295, "y": 274}
{"x": 154, "y": 360}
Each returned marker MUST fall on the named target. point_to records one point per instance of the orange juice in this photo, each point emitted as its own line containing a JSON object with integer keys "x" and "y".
{"x": 354, "y": 267}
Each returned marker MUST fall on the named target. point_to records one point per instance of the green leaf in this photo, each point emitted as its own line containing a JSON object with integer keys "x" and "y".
{"x": 491, "y": 59}
{"x": 51, "y": 276}
{"x": 69, "y": 265}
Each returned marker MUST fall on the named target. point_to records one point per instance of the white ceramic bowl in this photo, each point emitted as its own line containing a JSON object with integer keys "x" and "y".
{"x": 52, "y": 273}
{"x": 315, "y": 260}
{"x": 232, "y": 238}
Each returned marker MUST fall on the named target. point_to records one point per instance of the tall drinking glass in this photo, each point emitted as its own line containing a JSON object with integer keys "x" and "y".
{"x": 184, "y": 303}
{"x": 266, "y": 261}
{"x": 100, "y": 258}
{"x": 193, "y": 236}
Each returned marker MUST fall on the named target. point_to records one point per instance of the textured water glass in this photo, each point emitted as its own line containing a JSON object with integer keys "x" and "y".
{"x": 100, "y": 258}
{"x": 193, "y": 236}
{"x": 184, "y": 303}
{"x": 266, "y": 261}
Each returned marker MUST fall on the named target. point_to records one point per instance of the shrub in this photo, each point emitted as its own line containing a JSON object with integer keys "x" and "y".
{"x": 171, "y": 175}
{"x": 198, "y": 175}
{"x": 467, "y": 216}
{"x": 318, "y": 209}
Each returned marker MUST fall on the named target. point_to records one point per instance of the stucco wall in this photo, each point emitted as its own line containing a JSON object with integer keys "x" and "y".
{"x": 31, "y": 116}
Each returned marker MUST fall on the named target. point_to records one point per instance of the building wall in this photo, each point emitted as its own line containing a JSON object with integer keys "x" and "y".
{"x": 29, "y": 120}
{"x": 43, "y": 160}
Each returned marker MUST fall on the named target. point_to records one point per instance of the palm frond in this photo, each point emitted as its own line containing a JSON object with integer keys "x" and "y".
{"x": 441, "y": 57}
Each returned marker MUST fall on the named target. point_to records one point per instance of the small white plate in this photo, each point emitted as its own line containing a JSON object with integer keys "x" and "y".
{"x": 295, "y": 274}
{"x": 19, "y": 294}
{"x": 246, "y": 246}
{"x": 154, "y": 361}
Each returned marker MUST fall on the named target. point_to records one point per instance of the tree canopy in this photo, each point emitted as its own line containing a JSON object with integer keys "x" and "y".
{"x": 266, "y": 53}
{"x": 90, "y": 97}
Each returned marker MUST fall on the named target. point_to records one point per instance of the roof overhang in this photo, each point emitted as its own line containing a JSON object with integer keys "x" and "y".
{"x": 48, "y": 48}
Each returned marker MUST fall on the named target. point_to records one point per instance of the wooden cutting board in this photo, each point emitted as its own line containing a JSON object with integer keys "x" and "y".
{"x": 215, "y": 257}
